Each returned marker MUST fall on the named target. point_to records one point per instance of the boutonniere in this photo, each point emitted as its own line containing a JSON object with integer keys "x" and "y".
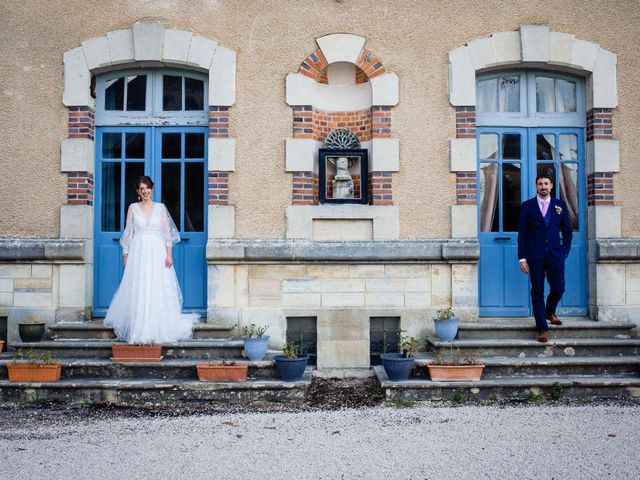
{"x": 558, "y": 209}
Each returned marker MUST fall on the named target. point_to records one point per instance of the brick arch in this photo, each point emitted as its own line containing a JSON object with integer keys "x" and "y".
{"x": 367, "y": 67}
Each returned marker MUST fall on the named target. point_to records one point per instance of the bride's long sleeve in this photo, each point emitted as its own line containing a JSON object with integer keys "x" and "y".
{"x": 170, "y": 234}
{"x": 127, "y": 235}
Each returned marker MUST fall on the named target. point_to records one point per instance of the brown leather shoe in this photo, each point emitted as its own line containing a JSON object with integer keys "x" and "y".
{"x": 543, "y": 337}
{"x": 553, "y": 319}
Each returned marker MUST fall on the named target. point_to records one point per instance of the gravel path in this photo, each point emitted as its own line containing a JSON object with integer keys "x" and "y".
{"x": 385, "y": 442}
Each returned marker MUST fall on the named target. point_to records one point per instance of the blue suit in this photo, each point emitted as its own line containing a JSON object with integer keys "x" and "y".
{"x": 545, "y": 243}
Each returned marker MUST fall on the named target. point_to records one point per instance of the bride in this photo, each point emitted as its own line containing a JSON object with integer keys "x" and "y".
{"x": 147, "y": 305}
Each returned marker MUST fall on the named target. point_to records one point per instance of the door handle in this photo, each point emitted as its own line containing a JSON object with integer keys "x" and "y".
{"x": 502, "y": 239}
{"x": 184, "y": 239}
{"x": 116, "y": 239}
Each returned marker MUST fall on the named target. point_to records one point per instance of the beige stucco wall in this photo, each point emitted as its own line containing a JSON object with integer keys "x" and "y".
{"x": 412, "y": 38}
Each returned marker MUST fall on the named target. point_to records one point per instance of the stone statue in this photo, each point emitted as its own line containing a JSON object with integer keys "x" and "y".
{"x": 342, "y": 182}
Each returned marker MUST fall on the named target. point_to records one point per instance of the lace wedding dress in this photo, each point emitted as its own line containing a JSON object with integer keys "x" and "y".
{"x": 148, "y": 303}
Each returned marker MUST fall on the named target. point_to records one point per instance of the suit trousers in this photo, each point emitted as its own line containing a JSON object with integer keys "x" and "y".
{"x": 553, "y": 269}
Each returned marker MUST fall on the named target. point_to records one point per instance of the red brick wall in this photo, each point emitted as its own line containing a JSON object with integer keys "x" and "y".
{"x": 358, "y": 122}
{"x": 303, "y": 121}
{"x": 218, "y": 122}
{"x": 218, "y": 188}
{"x": 600, "y": 188}
{"x": 465, "y": 122}
{"x": 80, "y": 188}
{"x": 599, "y": 123}
{"x": 81, "y": 122}
{"x": 466, "y": 188}
{"x": 305, "y": 188}
{"x": 380, "y": 188}
{"x": 381, "y": 122}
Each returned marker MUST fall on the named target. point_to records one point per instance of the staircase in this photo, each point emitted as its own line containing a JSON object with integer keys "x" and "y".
{"x": 89, "y": 375}
{"x": 582, "y": 359}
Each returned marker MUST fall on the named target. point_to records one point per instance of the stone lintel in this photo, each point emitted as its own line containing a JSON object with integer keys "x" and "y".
{"x": 617, "y": 249}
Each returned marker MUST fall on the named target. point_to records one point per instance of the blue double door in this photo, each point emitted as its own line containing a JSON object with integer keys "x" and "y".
{"x": 509, "y": 159}
{"x": 175, "y": 158}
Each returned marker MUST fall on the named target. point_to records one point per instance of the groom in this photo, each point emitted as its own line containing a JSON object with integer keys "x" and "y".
{"x": 542, "y": 252}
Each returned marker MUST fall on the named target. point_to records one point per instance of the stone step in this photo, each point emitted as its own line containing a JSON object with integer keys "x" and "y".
{"x": 525, "y": 329}
{"x": 514, "y": 388}
{"x": 95, "y": 330}
{"x": 580, "y": 347}
{"x": 155, "y": 392}
{"x": 165, "y": 370}
{"x": 208, "y": 349}
{"x": 547, "y": 366}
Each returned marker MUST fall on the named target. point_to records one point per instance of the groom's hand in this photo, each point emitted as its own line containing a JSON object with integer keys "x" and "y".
{"x": 524, "y": 267}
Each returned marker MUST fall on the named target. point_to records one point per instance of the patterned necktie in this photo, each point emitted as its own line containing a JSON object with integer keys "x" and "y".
{"x": 544, "y": 208}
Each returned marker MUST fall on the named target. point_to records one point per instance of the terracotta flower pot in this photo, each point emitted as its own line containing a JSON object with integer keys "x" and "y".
{"x": 1, "y": 345}
{"x": 222, "y": 373}
{"x": 31, "y": 372}
{"x": 124, "y": 352}
{"x": 455, "y": 373}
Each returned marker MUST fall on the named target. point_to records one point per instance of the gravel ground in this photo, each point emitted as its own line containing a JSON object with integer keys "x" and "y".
{"x": 424, "y": 441}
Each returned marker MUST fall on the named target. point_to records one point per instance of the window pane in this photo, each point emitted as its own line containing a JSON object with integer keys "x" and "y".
{"x": 111, "y": 145}
{"x": 110, "y": 210}
{"x": 487, "y": 95}
{"x": 134, "y": 145}
{"x": 545, "y": 101}
{"x": 194, "y": 94}
{"x": 545, "y": 147}
{"x": 194, "y": 145}
{"x": 171, "y": 145}
{"x": 509, "y": 95}
{"x": 550, "y": 170}
{"x": 569, "y": 191}
{"x": 565, "y": 96}
{"x": 511, "y": 196}
{"x": 194, "y": 197}
{"x": 489, "y": 197}
{"x": 511, "y": 146}
{"x": 133, "y": 171}
{"x": 114, "y": 94}
{"x": 488, "y": 145}
{"x": 171, "y": 191}
{"x": 171, "y": 93}
{"x": 567, "y": 147}
{"x": 136, "y": 92}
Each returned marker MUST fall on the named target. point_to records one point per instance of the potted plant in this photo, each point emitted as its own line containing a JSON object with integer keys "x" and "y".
{"x": 31, "y": 330}
{"x": 290, "y": 365}
{"x": 35, "y": 368}
{"x": 456, "y": 367}
{"x": 255, "y": 341}
{"x": 126, "y": 352}
{"x": 398, "y": 366}
{"x": 222, "y": 371}
{"x": 446, "y": 324}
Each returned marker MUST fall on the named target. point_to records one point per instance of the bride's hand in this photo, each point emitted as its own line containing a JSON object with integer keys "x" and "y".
{"x": 168, "y": 262}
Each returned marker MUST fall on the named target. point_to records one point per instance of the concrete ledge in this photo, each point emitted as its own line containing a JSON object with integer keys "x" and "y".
{"x": 247, "y": 250}
{"x": 617, "y": 249}
{"x": 12, "y": 249}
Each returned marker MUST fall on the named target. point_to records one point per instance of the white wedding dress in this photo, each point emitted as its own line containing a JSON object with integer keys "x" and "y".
{"x": 147, "y": 306}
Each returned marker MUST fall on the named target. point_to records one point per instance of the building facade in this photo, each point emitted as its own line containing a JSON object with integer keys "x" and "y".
{"x": 442, "y": 114}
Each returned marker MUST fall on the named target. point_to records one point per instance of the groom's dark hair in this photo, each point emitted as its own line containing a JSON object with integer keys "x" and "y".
{"x": 544, "y": 175}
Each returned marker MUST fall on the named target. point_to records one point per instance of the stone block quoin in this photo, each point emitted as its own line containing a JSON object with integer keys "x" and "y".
{"x": 81, "y": 124}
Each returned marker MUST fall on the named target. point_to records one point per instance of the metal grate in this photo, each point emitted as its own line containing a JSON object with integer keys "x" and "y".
{"x": 303, "y": 331}
{"x": 384, "y": 336}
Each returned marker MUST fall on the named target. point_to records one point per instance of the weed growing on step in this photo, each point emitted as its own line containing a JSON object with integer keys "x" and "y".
{"x": 556, "y": 392}
{"x": 532, "y": 396}
{"x": 458, "y": 399}
{"x": 402, "y": 403}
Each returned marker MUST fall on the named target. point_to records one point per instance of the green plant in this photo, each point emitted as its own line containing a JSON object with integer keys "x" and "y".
{"x": 556, "y": 392}
{"x": 408, "y": 346}
{"x": 445, "y": 313}
{"x": 532, "y": 396}
{"x": 402, "y": 403}
{"x": 33, "y": 357}
{"x": 458, "y": 399}
{"x": 254, "y": 331}
{"x": 454, "y": 358}
{"x": 290, "y": 350}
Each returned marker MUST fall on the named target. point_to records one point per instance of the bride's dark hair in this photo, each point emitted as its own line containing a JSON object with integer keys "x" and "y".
{"x": 144, "y": 179}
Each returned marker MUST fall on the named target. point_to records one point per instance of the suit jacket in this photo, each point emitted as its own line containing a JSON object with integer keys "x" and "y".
{"x": 536, "y": 239}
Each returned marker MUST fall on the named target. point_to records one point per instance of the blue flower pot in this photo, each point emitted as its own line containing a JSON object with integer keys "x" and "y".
{"x": 291, "y": 369}
{"x": 256, "y": 347}
{"x": 446, "y": 330}
{"x": 397, "y": 367}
